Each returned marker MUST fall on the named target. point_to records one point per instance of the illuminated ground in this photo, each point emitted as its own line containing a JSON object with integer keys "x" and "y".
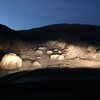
{"x": 60, "y": 54}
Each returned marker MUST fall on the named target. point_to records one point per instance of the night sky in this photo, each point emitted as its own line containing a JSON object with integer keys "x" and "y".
{"x": 26, "y": 14}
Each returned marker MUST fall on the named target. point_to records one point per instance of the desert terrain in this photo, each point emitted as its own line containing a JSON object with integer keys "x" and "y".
{"x": 60, "y": 46}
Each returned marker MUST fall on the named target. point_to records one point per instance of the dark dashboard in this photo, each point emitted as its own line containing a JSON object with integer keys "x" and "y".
{"x": 52, "y": 84}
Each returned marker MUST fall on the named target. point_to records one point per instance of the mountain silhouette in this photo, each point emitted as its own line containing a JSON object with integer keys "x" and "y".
{"x": 6, "y": 32}
{"x": 65, "y": 32}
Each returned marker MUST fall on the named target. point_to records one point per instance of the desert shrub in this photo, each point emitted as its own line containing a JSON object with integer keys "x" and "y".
{"x": 56, "y": 44}
{"x": 4, "y": 45}
{"x": 73, "y": 51}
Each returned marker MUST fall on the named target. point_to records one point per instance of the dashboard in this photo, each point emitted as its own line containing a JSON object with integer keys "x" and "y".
{"x": 52, "y": 84}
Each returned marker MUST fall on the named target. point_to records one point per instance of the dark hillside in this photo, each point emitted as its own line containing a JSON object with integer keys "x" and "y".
{"x": 65, "y": 32}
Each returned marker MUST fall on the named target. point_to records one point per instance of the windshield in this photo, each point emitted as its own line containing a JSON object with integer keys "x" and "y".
{"x": 50, "y": 46}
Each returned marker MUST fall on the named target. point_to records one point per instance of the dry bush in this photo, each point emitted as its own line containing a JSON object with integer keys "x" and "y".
{"x": 4, "y": 45}
{"x": 19, "y": 46}
{"x": 9, "y": 46}
{"x": 56, "y": 44}
{"x": 73, "y": 51}
{"x": 91, "y": 49}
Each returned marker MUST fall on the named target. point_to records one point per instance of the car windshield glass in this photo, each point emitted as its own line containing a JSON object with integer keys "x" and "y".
{"x": 60, "y": 45}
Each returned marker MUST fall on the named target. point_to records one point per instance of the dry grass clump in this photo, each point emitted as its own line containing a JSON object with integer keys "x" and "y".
{"x": 56, "y": 44}
{"x": 73, "y": 51}
{"x": 84, "y": 64}
{"x": 4, "y": 45}
{"x": 91, "y": 49}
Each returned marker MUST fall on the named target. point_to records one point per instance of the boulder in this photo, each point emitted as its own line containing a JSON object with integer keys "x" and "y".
{"x": 39, "y": 52}
{"x": 36, "y": 64}
{"x": 10, "y": 61}
{"x": 57, "y": 57}
{"x": 55, "y": 50}
{"x": 49, "y": 52}
{"x": 60, "y": 57}
{"x": 60, "y": 52}
{"x": 54, "y": 57}
{"x": 42, "y": 48}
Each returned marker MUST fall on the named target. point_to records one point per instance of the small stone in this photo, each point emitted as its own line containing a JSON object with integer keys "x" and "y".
{"x": 39, "y": 52}
{"x": 54, "y": 57}
{"x": 38, "y": 57}
{"x": 60, "y": 52}
{"x": 77, "y": 58}
{"x": 49, "y": 52}
{"x": 36, "y": 64}
{"x": 60, "y": 57}
{"x": 42, "y": 48}
{"x": 55, "y": 50}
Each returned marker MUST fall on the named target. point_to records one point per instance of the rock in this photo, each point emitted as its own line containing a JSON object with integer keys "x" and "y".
{"x": 49, "y": 52}
{"x": 57, "y": 57}
{"x": 36, "y": 64}
{"x": 38, "y": 57}
{"x": 77, "y": 58}
{"x": 39, "y": 52}
{"x": 42, "y": 48}
{"x": 60, "y": 52}
{"x": 55, "y": 50}
{"x": 60, "y": 57}
{"x": 11, "y": 61}
{"x": 54, "y": 57}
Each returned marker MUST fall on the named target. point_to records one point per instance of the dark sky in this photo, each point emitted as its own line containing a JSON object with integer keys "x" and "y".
{"x": 26, "y": 14}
